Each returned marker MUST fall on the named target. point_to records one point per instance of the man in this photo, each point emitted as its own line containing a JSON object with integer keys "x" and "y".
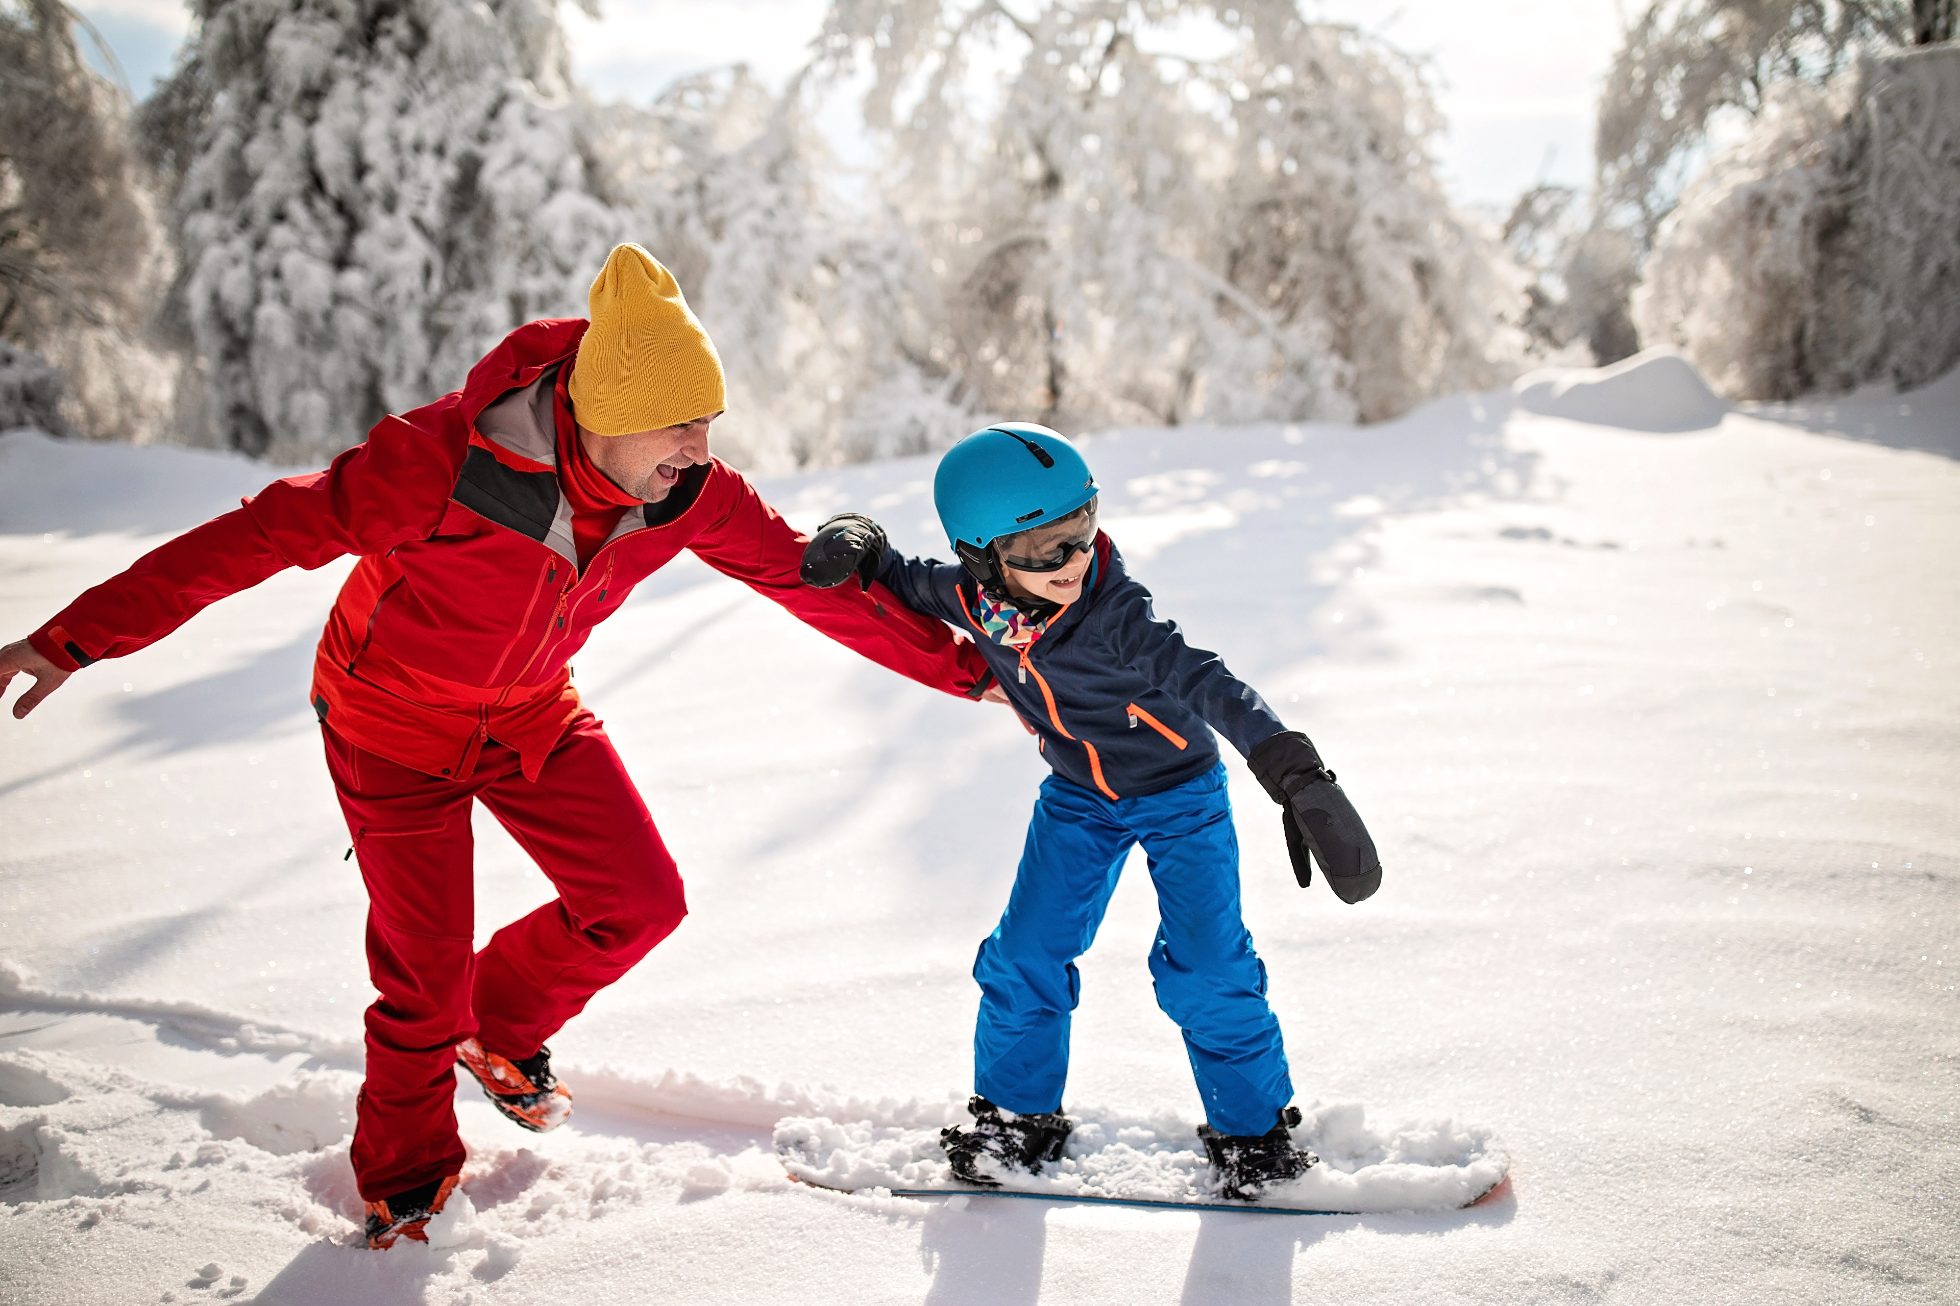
{"x": 494, "y": 529}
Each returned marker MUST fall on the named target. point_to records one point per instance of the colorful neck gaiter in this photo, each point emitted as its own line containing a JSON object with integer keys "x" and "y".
{"x": 1006, "y": 624}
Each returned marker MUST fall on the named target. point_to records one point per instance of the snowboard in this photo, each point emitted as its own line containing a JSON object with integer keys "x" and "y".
{"x": 1427, "y": 1166}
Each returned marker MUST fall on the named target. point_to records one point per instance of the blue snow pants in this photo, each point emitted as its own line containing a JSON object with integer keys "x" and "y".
{"x": 1208, "y": 979}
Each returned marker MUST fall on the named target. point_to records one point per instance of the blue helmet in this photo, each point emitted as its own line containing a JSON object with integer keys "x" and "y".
{"x": 1010, "y": 477}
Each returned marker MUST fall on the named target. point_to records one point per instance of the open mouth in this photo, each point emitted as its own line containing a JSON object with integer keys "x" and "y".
{"x": 667, "y": 475}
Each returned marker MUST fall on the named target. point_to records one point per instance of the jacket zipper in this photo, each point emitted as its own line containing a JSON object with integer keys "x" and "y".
{"x": 1138, "y": 714}
{"x": 1048, "y": 698}
{"x": 550, "y": 575}
{"x": 561, "y": 614}
{"x": 552, "y": 624}
{"x": 482, "y": 738}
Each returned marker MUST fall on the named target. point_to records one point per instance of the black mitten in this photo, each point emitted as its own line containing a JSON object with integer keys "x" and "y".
{"x": 846, "y": 545}
{"x": 1317, "y": 816}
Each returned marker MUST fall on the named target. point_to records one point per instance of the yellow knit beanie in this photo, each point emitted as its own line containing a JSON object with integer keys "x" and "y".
{"x": 645, "y": 362}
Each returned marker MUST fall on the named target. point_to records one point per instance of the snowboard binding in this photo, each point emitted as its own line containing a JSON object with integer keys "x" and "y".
{"x": 1009, "y": 1141}
{"x": 1246, "y": 1163}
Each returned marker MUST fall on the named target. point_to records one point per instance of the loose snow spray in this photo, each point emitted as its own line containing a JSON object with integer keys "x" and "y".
{"x": 1420, "y": 1166}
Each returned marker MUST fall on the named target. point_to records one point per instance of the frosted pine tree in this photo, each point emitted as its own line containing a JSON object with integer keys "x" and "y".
{"x": 369, "y": 195}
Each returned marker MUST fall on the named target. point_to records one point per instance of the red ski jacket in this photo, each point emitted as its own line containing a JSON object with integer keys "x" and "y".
{"x": 458, "y": 621}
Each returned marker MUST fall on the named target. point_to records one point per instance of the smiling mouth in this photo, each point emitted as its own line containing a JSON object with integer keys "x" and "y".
{"x": 667, "y": 475}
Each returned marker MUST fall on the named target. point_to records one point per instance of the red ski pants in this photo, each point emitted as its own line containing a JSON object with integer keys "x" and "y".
{"x": 619, "y": 894}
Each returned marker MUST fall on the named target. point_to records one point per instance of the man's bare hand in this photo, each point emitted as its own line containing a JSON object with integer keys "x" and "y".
{"x": 19, "y": 657}
{"x": 993, "y": 694}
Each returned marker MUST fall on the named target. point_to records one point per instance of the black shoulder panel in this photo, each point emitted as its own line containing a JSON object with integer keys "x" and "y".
{"x": 525, "y": 502}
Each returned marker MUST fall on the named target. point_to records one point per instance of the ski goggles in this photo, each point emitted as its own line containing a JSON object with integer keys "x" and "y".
{"x": 1059, "y": 553}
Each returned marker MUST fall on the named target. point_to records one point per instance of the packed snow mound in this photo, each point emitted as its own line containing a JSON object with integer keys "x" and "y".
{"x": 1655, "y": 390}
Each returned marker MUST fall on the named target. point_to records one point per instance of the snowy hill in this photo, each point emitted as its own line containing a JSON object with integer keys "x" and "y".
{"x": 1649, "y": 702}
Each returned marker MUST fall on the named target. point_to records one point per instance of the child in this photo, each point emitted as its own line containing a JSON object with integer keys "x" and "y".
{"x": 1120, "y": 705}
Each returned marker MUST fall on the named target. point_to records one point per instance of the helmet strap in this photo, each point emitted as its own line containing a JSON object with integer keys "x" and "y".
{"x": 981, "y": 564}
{"x": 984, "y": 567}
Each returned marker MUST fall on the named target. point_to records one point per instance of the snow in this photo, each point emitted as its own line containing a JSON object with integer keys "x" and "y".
{"x": 1656, "y": 736}
{"x": 1655, "y": 390}
{"x": 1433, "y": 1165}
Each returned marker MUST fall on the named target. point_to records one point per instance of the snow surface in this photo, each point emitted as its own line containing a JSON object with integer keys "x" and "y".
{"x": 1656, "y": 735}
{"x": 1430, "y": 1165}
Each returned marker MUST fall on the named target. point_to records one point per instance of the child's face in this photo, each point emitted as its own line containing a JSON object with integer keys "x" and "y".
{"x": 1074, "y": 532}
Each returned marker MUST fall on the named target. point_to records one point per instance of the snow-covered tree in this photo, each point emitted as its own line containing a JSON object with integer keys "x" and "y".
{"x": 369, "y": 193}
{"x": 1685, "y": 63}
{"x": 810, "y": 292}
{"x": 1822, "y": 251}
{"x": 1135, "y": 210}
{"x": 1688, "y": 73}
{"x": 1336, "y": 225}
{"x": 78, "y": 244}
{"x": 1934, "y": 21}
{"x": 30, "y": 391}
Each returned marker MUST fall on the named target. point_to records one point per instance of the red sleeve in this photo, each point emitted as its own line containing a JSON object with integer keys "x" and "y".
{"x": 746, "y": 539}
{"x": 391, "y": 489}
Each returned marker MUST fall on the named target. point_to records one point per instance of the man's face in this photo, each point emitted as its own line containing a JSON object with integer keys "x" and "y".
{"x": 1044, "y": 543}
{"x": 647, "y": 464}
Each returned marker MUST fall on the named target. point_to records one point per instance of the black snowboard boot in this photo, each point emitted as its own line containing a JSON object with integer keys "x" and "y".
{"x": 1012, "y": 1141}
{"x": 1246, "y": 1163}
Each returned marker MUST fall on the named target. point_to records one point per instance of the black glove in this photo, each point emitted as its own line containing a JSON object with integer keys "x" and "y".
{"x": 1317, "y": 817}
{"x": 847, "y": 544}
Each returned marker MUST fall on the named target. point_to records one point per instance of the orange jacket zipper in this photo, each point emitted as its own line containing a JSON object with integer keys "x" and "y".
{"x": 1138, "y": 714}
{"x": 1048, "y": 698}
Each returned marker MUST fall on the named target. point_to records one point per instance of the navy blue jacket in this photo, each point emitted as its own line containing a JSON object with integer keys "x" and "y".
{"x": 1119, "y": 701}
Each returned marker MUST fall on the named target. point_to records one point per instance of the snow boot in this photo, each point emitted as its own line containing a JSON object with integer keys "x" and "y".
{"x": 406, "y": 1214}
{"x": 1011, "y": 1141}
{"x": 1246, "y": 1163}
{"x": 526, "y": 1091}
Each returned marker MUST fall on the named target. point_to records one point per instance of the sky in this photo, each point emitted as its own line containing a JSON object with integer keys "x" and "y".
{"x": 1517, "y": 79}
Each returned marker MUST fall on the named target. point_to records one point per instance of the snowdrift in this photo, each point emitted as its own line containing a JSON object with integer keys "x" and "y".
{"x": 1656, "y": 390}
